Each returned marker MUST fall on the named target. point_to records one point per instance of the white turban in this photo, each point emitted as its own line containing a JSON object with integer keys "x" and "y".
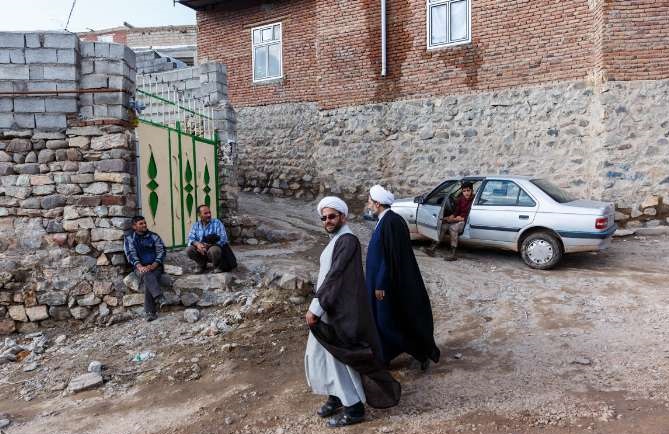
{"x": 381, "y": 195}
{"x": 333, "y": 202}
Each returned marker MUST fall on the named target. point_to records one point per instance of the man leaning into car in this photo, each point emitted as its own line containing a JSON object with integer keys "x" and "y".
{"x": 456, "y": 221}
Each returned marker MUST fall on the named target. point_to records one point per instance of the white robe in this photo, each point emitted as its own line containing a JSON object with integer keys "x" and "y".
{"x": 325, "y": 374}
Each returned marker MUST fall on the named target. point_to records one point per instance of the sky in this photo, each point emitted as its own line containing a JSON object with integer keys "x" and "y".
{"x": 20, "y": 15}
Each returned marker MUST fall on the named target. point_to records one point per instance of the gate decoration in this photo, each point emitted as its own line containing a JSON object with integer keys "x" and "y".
{"x": 177, "y": 171}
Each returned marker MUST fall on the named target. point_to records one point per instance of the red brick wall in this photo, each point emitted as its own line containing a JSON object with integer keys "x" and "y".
{"x": 224, "y": 35}
{"x": 636, "y": 40}
{"x": 120, "y": 37}
{"x": 331, "y": 52}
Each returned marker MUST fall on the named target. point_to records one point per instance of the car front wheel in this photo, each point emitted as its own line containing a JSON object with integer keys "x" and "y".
{"x": 541, "y": 250}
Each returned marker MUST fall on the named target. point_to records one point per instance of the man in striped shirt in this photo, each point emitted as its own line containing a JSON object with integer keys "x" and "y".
{"x": 208, "y": 242}
{"x": 145, "y": 251}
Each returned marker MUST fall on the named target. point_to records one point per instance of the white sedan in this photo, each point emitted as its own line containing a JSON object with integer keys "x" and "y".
{"x": 518, "y": 213}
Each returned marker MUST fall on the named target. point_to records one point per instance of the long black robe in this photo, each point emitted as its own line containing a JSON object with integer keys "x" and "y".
{"x": 406, "y": 295}
{"x": 351, "y": 335}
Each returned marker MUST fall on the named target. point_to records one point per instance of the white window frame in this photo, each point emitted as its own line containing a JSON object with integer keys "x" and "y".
{"x": 262, "y": 44}
{"x": 432, "y": 3}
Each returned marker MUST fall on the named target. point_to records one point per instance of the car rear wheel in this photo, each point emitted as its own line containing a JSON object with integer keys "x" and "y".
{"x": 541, "y": 250}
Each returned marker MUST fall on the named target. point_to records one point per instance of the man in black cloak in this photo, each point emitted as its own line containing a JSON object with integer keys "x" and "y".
{"x": 395, "y": 286}
{"x": 342, "y": 356}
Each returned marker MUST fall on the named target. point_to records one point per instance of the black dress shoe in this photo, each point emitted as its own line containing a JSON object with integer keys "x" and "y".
{"x": 330, "y": 408}
{"x": 344, "y": 420}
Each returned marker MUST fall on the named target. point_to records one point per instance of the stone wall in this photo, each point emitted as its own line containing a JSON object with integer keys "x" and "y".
{"x": 67, "y": 162}
{"x": 606, "y": 141}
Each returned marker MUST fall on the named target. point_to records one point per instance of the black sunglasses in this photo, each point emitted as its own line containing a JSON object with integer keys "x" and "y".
{"x": 329, "y": 217}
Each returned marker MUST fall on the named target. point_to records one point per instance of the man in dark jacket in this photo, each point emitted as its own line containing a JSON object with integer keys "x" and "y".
{"x": 399, "y": 299}
{"x": 145, "y": 251}
{"x": 342, "y": 359}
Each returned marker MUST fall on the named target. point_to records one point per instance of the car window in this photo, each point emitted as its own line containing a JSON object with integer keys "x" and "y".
{"x": 556, "y": 193}
{"x": 438, "y": 196}
{"x": 504, "y": 193}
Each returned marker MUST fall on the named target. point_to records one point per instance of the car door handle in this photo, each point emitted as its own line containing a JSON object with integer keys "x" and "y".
{"x": 523, "y": 217}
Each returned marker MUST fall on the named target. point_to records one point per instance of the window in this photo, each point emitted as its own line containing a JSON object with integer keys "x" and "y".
{"x": 504, "y": 193}
{"x": 267, "y": 63}
{"x": 448, "y": 22}
{"x": 555, "y": 192}
{"x": 440, "y": 193}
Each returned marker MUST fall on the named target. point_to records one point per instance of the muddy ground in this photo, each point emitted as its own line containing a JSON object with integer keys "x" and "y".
{"x": 581, "y": 348}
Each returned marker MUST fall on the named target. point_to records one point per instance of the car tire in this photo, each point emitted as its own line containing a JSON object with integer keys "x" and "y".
{"x": 541, "y": 250}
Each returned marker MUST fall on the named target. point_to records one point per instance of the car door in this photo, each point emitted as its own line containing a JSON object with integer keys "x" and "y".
{"x": 428, "y": 214}
{"x": 500, "y": 211}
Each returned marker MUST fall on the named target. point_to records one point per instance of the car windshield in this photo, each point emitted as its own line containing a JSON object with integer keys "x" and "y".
{"x": 556, "y": 193}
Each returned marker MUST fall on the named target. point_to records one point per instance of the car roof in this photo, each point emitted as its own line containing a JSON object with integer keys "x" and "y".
{"x": 502, "y": 177}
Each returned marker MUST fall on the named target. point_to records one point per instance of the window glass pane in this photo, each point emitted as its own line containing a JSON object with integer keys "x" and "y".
{"x": 556, "y": 193}
{"x": 256, "y": 36}
{"x": 458, "y": 20}
{"x": 277, "y": 32}
{"x": 438, "y": 27}
{"x": 524, "y": 199}
{"x": 260, "y": 70}
{"x": 274, "y": 60}
{"x": 267, "y": 34}
{"x": 499, "y": 193}
{"x": 440, "y": 194}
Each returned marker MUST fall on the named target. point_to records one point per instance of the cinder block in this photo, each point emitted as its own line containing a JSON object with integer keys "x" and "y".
{"x": 36, "y": 72}
{"x": 41, "y": 55}
{"x": 4, "y": 56}
{"x": 60, "y": 40}
{"x": 12, "y": 40}
{"x": 29, "y": 105}
{"x": 117, "y": 112}
{"x": 118, "y": 82}
{"x": 67, "y": 86}
{"x": 61, "y": 105}
{"x": 185, "y": 73}
{"x": 85, "y": 99}
{"x": 24, "y": 120}
{"x": 34, "y": 86}
{"x": 87, "y": 66}
{"x": 68, "y": 57}
{"x": 6, "y": 105}
{"x": 116, "y": 51}
{"x": 110, "y": 98}
{"x": 50, "y": 121}
{"x": 87, "y": 49}
{"x": 93, "y": 81}
{"x": 33, "y": 40}
{"x": 109, "y": 67}
{"x": 100, "y": 111}
{"x": 102, "y": 49}
{"x": 14, "y": 72}
{"x": 60, "y": 72}
{"x": 86, "y": 112}
{"x": 16, "y": 56}
{"x": 6, "y": 120}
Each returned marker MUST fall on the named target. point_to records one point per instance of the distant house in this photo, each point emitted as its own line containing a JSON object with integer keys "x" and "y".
{"x": 178, "y": 42}
{"x": 325, "y": 88}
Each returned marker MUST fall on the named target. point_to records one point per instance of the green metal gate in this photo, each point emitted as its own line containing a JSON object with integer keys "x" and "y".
{"x": 177, "y": 169}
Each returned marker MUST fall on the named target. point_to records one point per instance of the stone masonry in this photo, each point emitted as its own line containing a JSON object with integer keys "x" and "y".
{"x": 608, "y": 141}
{"x": 66, "y": 177}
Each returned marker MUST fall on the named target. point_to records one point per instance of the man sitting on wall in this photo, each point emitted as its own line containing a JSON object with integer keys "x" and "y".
{"x": 456, "y": 221}
{"x": 145, "y": 251}
{"x": 208, "y": 242}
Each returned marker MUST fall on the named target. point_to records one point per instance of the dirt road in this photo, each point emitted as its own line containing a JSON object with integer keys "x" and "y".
{"x": 581, "y": 348}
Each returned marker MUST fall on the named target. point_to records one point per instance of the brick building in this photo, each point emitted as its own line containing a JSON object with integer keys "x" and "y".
{"x": 574, "y": 89}
{"x": 179, "y": 42}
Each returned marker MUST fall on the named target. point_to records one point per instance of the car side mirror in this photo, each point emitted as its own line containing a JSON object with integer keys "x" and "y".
{"x": 418, "y": 199}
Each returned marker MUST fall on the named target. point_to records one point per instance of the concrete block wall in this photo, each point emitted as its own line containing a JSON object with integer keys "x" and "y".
{"x": 48, "y": 77}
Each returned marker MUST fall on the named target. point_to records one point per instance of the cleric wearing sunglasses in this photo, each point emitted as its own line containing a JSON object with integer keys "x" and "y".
{"x": 342, "y": 359}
